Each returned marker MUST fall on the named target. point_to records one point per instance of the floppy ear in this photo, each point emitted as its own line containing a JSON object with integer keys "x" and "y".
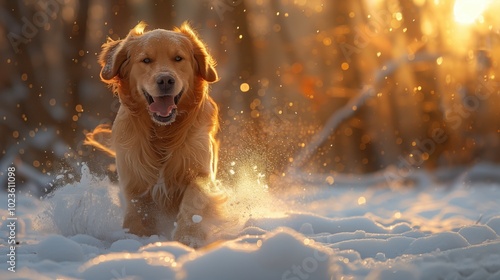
{"x": 111, "y": 58}
{"x": 114, "y": 53}
{"x": 206, "y": 64}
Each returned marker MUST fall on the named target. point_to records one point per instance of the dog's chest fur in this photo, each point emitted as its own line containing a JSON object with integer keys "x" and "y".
{"x": 166, "y": 160}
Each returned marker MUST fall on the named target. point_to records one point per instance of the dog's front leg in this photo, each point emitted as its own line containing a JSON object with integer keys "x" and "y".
{"x": 200, "y": 214}
{"x": 141, "y": 215}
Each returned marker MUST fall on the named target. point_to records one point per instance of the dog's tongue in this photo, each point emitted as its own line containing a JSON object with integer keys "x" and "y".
{"x": 162, "y": 106}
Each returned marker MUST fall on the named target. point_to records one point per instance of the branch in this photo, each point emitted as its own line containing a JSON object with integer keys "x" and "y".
{"x": 352, "y": 107}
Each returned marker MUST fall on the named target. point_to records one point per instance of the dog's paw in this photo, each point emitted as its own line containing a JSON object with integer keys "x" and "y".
{"x": 191, "y": 241}
{"x": 191, "y": 235}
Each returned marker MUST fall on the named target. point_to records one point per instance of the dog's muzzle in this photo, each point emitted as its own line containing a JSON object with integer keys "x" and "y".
{"x": 163, "y": 109}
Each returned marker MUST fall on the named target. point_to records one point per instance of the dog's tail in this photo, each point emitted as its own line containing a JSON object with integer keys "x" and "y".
{"x": 100, "y": 138}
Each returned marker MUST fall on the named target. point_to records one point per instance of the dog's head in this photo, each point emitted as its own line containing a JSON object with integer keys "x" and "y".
{"x": 160, "y": 67}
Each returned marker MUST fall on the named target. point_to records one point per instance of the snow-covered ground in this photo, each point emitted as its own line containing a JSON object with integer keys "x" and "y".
{"x": 334, "y": 230}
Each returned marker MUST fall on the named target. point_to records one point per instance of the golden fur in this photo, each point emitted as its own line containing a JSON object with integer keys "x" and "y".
{"x": 166, "y": 168}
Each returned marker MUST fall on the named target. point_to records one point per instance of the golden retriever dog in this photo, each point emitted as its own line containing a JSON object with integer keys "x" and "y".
{"x": 163, "y": 134}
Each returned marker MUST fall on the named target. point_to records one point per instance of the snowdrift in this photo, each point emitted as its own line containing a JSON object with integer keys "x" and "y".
{"x": 302, "y": 231}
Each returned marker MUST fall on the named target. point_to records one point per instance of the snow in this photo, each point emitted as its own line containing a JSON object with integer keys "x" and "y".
{"x": 197, "y": 219}
{"x": 444, "y": 230}
{"x": 58, "y": 249}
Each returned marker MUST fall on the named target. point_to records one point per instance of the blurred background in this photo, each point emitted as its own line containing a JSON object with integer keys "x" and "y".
{"x": 314, "y": 87}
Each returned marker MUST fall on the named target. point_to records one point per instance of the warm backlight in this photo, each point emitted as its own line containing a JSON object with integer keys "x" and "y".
{"x": 468, "y": 11}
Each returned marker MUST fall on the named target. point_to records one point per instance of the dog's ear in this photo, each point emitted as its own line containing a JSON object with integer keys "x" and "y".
{"x": 114, "y": 54}
{"x": 206, "y": 64}
{"x": 111, "y": 58}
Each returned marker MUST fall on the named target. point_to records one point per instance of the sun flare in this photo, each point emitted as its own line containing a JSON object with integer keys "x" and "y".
{"x": 468, "y": 11}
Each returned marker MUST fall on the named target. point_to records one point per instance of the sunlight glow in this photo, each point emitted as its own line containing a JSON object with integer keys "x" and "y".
{"x": 249, "y": 195}
{"x": 330, "y": 180}
{"x": 468, "y": 11}
{"x": 361, "y": 200}
{"x": 244, "y": 87}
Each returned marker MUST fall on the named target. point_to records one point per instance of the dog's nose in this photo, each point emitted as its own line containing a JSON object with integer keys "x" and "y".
{"x": 165, "y": 83}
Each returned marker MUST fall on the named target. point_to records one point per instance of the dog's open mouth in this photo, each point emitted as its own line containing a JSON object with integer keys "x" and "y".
{"x": 164, "y": 108}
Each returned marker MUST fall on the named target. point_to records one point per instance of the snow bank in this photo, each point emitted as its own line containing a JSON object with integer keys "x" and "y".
{"x": 59, "y": 249}
{"x": 281, "y": 254}
{"x": 303, "y": 232}
{"x": 91, "y": 206}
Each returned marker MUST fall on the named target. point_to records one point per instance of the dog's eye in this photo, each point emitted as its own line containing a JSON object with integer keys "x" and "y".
{"x": 146, "y": 60}
{"x": 178, "y": 58}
